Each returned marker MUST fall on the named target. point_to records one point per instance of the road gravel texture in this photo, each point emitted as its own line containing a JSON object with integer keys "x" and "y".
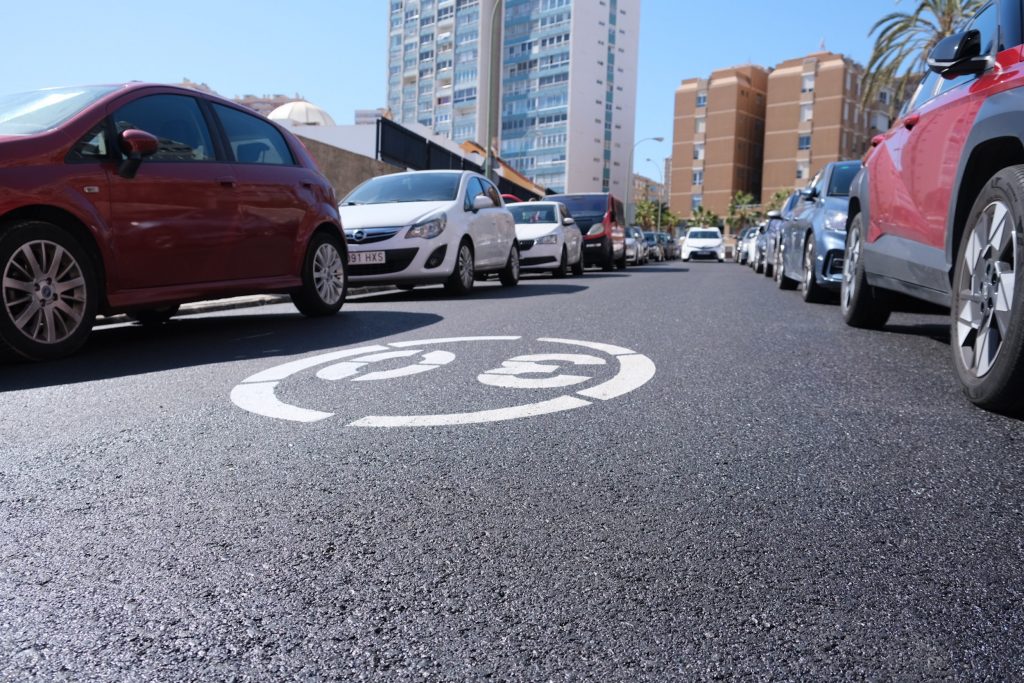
{"x": 786, "y": 499}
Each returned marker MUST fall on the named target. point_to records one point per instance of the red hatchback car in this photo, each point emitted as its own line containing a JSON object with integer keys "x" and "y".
{"x": 937, "y": 211}
{"x": 137, "y": 198}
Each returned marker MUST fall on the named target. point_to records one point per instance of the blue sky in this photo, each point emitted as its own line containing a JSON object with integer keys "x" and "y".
{"x": 334, "y": 52}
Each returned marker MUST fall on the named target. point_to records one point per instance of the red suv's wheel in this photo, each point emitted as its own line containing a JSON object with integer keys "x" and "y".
{"x": 988, "y": 297}
{"x": 48, "y": 291}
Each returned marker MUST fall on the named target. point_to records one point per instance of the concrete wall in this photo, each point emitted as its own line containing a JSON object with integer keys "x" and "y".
{"x": 346, "y": 169}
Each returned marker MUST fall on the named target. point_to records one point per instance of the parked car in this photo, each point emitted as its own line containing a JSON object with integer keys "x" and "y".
{"x": 136, "y": 198}
{"x": 548, "y": 238}
{"x": 739, "y": 251}
{"x": 703, "y": 243}
{"x": 776, "y": 219}
{"x": 654, "y": 248}
{"x": 429, "y": 227}
{"x": 600, "y": 217}
{"x": 750, "y": 244}
{"x": 937, "y": 211}
{"x": 814, "y": 238}
{"x": 670, "y": 246}
{"x": 636, "y": 246}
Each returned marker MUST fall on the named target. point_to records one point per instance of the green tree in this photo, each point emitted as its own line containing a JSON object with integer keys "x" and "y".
{"x": 647, "y": 215}
{"x": 741, "y": 212}
{"x": 778, "y": 198}
{"x": 903, "y": 41}
{"x": 702, "y": 216}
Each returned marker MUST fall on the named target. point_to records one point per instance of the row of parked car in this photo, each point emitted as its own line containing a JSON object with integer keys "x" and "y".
{"x": 137, "y": 198}
{"x": 919, "y": 222}
{"x": 933, "y": 213}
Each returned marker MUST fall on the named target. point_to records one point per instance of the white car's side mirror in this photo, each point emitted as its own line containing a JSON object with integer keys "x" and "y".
{"x": 568, "y": 221}
{"x": 482, "y": 201}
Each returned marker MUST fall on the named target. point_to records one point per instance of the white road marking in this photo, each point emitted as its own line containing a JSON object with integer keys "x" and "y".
{"x": 333, "y": 373}
{"x": 560, "y": 404}
{"x": 450, "y": 340}
{"x": 279, "y": 372}
{"x": 574, "y": 358}
{"x": 407, "y": 371}
{"x": 376, "y": 357}
{"x": 636, "y": 371}
{"x": 259, "y": 398}
{"x": 607, "y": 348}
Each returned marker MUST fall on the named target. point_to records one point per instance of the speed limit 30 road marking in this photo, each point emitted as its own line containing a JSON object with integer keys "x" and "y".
{"x": 257, "y": 393}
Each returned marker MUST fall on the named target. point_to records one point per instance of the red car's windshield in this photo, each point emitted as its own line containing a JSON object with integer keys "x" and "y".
{"x": 29, "y": 113}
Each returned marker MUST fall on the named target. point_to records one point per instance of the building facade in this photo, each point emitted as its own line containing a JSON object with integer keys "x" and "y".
{"x": 646, "y": 189}
{"x": 814, "y": 116}
{"x": 718, "y": 139}
{"x": 564, "y": 111}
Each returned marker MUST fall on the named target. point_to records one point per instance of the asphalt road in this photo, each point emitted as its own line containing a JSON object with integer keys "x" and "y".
{"x": 786, "y": 498}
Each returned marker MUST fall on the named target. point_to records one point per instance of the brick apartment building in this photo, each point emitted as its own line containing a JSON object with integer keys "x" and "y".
{"x": 814, "y": 117}
{"x": 718, "y": 138}
{"x": 760, "y": 130}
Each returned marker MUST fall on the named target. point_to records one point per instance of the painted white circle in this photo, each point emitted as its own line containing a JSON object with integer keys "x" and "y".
{"x": 256, "y": 393}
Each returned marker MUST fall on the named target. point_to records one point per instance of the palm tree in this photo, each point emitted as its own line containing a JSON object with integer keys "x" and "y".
{"x": 903, "y": 41}
{"x": 705, "y": 217}
{"x": 741, "y": 212}
{"x": 777, "y": 200}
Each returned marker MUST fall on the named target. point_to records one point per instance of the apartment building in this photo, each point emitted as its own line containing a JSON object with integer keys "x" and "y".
{"x": 646, "y": 189}
{"x": 564, "y": 111}
{"x": 718, "y": 139}
{"x": 814, "y": 116}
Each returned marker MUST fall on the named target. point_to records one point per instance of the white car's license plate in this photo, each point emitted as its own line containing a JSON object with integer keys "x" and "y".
{"x": 363, "y": 258}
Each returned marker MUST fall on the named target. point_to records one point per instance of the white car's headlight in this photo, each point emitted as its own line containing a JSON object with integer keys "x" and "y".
{"x": 428, "y": 228}
{"x": 835, "y": 220}
{"x": 547, "y": 239}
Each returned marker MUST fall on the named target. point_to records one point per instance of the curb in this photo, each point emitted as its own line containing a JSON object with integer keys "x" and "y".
{"x": 237, "y": 302}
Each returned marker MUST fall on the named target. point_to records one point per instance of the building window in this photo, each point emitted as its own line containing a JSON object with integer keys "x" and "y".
{"x": 808, "y": 83}
{"x": 698, "y": 177}
{"x": 700, "y": 125}
{"x": 804, "y": 142}
{"x": 702, "y": 99}
{"x": 802, "y": 169}
{"x": 806, "y": 112}
{"x": 698, "y": 151}
{"x": 697, "y": 201}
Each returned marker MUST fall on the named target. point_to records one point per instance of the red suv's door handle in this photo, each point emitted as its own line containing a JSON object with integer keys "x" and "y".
{"x": 911, "y": 121}
{"x": 226, "y": 181}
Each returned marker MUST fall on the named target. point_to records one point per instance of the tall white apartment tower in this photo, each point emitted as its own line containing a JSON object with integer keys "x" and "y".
{"x": 567, "y": 82}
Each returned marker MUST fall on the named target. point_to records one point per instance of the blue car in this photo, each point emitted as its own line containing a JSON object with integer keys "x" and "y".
{"x": 813, "y": 240}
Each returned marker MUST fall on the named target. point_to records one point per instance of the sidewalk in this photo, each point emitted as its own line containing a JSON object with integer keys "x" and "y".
{"x": 254, "y": 301}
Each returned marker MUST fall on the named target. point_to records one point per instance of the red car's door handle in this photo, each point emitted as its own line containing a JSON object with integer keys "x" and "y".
{"x": 227, "y": 181}
{"x": 308, "y": 184}
{"x": 911, "y": 121}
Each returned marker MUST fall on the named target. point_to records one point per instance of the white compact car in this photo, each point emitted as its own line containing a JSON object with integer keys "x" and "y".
{"x": 703, "y": 243}
{"x": 429, "y": 227}
{"x": 548, "y": 238}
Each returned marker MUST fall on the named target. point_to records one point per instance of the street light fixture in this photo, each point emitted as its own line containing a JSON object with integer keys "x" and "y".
{"x": 629, "y": 176}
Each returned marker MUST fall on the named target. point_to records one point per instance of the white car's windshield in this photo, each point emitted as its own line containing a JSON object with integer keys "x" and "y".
{"x": 702, "y": 235}
{"x": 34, "y": 112}
{"x": 406, "y": 187}
{"x": 533, "y": 214}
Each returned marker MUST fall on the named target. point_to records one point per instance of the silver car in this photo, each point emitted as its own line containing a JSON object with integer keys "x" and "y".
{"x": 814, "y": 239}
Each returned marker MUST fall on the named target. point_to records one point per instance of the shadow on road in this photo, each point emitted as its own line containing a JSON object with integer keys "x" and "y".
{"x": 657, "y": 268}
{"x": 935, "y": 331}
{"x": 530, "y": 287}
{"x": 190, "y": 341}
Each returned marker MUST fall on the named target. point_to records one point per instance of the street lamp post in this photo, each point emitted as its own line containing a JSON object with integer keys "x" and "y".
{"x": 629, "y": 176}
{"x": 493, "y": 69}
{"x": 661, "y": 177}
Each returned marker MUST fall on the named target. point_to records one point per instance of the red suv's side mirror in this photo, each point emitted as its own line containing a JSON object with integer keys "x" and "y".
{"x": 136, "y": 145}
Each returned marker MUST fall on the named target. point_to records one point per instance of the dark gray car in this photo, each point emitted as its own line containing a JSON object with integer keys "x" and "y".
{"x": 769, "y": 250}
{"x": 813, "y": 241}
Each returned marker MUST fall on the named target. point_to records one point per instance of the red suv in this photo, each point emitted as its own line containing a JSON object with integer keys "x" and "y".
{"x": 601, "y": 219}
{"x": 136, "y": 198}
{"x": 937, "y": 211}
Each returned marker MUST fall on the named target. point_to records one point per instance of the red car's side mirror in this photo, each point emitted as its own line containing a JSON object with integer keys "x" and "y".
{"x": 136, "y": 145}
